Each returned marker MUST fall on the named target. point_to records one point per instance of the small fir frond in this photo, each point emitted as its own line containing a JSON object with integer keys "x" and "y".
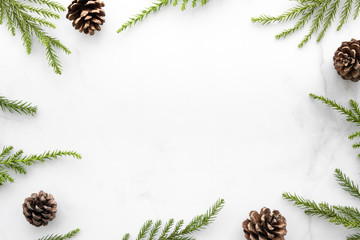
{"x": 357, "y": 9}
{"x": 18, "y": 162}
{"x": 154, "y": 231}
{"x": 352, "y": 114}
{"x": 329, "y": 18}
{"x": 353, "y": 237}
{"x": 177, "y": 228}
{"x": 144, "y": 230}
{"x": 150, "y": 231}
{"x": 30, "y": 21}
{"x": 345, "y": 13}
{"x": 20, "y": 107}
{"x": 356, "y": 145}
{"x": 354, "y": 135}
{"x": 5, "y": 177}
{"x": 126, "y": 237}
{"x": 183, "y": 6}
{"x": 6, "y": 151}
{"x": 60, "y": 237}
{"x": 347, "y": 184}
{"x": 165, "y": 232}
{"x": 159, "y": 4}
{"x": 321, "y": 14}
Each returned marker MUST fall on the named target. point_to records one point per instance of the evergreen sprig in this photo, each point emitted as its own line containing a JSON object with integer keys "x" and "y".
{"x": 20, "y": 107}
{"x": 60, "y": 237}
{"x": 349, "y": 217}
{"x": 352, "y": 114}
{"x": 172, "y": 231}
{"x": 321, "y": 14}
{"x": 156, "y": 7}
{"x": 30, "y": 17}
{"x": 18, "y": 161}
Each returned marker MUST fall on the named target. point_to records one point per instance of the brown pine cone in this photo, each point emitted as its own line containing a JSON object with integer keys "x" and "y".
{"x": 87, "y": 15}
{"x": 265, "y": 225}
{"x": 346, "y": 60}
{"x": 39, "y": 209}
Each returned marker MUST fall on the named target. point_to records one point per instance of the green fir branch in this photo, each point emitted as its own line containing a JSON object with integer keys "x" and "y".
{"x": 321, "y": 13}
{"x": 352, "y": 114}
{"x": 159, "y": 4}
{"x": 150, "y": 231}
{"x": 326, "y": 211}
{"x": 29, "y": 20}
{"x": 60, "y": 237}
{"x": 347, "y": 216}
{"x": 346, "y": 183}
{"x": 20, "y": 107}
{"x": 18, "y": 162}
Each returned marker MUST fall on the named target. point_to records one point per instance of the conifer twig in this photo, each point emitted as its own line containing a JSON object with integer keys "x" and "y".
{"x": 60, "y": 237}
{"x": 349, "y": 217}
{"x": 352, "y": 114}
{"x": 17, "y": 161}
{"x": 150, "y": 231}
{"x": 30, "y": 20}
{"x": 321, "y": 14}
{"x": 156, "y": 7}
{"x": 20, "y": 107}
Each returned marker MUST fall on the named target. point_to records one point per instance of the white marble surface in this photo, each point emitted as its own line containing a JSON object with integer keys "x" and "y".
{"x": 174, "y": 113}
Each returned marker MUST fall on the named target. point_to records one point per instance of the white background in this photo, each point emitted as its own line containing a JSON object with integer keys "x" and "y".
{"x": 171, "y": 115}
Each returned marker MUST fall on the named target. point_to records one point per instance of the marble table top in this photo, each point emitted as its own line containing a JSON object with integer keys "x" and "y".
{"x": 183, "y": 109}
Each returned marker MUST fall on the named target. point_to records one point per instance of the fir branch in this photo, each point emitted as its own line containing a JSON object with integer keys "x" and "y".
{"x": 19, "y": 15}
{"x": 320, "y": 13}
{"x": 60, "y": 237}
{"x": 352, "y": 114}
{"x": 346, "y": 183}
{"x": 347, "y": 216}
{"x": 326, "y": 211}
{"x": 150, "y": 231}
{"x": 156, "y": 7}
{"x": 20, "y": 107}
{"x": 17, "y": 161}
{"x": 351, "y": 117}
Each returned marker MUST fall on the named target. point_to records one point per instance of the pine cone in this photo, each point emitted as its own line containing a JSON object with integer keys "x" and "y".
{"x": 346, "y": 60}
{"x": 264, "y": 226}
{"x": 39, "y": 209}
{"x": 87, "y": 15}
